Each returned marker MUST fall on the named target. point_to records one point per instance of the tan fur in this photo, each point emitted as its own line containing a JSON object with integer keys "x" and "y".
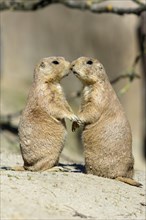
{"x": 106, "y": 134}
{"x": 42, "y": 128}
{"x": 129, "y": 181}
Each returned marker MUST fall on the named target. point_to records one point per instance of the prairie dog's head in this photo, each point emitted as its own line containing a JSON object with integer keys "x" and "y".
{"x": 51, "y": 69}
{"x": 88, "y": 70}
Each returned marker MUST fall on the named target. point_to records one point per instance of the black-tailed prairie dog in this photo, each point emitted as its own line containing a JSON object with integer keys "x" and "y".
{"x": 42, "y": 129}
{"x": 106, "y": 134}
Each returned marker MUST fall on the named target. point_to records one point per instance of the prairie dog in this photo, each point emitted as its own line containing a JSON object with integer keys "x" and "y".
{"x": 106, "y": 135}
{"x": 42, "y": 128}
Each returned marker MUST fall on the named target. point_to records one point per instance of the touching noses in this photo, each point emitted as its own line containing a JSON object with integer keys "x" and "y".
{"x": 71, "y": 67}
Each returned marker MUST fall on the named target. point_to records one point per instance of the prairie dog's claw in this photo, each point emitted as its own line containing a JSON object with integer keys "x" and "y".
{"x": 74, "y": 118}
{"x": 76, "y": 124}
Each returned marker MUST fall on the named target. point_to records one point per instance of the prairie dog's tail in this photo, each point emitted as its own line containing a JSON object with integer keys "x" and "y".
{"x": 129, "y": 181}
{"x": 15, "y": 168}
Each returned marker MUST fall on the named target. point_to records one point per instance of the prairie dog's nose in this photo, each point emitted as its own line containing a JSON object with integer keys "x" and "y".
{"x": 71, "y": 66}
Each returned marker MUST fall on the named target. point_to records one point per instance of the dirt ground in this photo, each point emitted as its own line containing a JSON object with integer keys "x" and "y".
{"x": 67, "y": 195}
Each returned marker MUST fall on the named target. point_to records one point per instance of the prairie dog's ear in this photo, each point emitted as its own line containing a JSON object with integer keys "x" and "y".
{"x": 42, "y": 65}
{"x": 101, "y": 72}
{"x": 100, "y": 66}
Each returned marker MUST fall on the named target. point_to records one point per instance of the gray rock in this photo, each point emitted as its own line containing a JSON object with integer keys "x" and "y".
{"x": 68, "y": 195}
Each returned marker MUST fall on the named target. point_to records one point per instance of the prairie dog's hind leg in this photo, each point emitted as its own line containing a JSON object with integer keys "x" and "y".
{"x": 15, "y": 168}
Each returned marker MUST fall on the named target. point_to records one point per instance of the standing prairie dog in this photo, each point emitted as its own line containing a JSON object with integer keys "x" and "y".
{"x": 106, "y": 134}
{"x": 42, "y": 128}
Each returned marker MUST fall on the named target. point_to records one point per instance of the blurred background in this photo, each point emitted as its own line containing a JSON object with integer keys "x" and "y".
{"x": 56, "y": 30}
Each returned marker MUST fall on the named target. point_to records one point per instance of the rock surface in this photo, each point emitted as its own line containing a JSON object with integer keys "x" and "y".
{"x": 67, "y": 195}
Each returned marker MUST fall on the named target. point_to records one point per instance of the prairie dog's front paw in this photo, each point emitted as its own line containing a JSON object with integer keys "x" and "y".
{"x": 74, "y": 118}
{"x": 76, "y": 124}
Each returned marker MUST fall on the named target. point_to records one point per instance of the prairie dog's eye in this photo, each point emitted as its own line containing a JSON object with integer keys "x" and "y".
{"x": 42, "y": 65}
{"x": 89, "y": 62}
{"x": 55, "y": 62}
